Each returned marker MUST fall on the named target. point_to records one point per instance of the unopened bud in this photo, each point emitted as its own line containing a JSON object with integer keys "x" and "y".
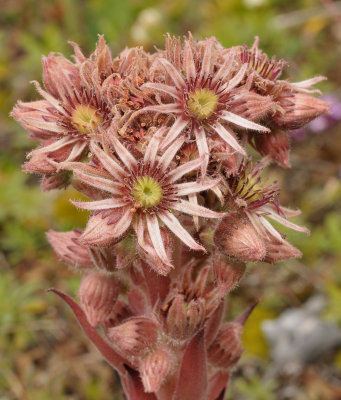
{"x": 135, "y": 336}
{"x": 69, "y": 249}
{"x": 279, "y": 250}
{"x": 184, "y": 319}
{"x": 235, "y": 236}
{"x": 103, "y": 258}
{"x": 275, "y": 144}
{"x": 154, "y": 369}
{"x": 299, "y": 109}
{"x": 55, "y": 181}
{"x": 97, "y": 294}
{"x": 227, "y": 348}
{"x": 227, "y": 275}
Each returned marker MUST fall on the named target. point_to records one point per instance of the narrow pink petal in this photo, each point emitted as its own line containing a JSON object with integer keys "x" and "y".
{"x": 49, "y": 98}
{"x": 194, "y": 209}
{"x": 174, "y": 225}
{"x": 243, "y": 122}
{"x": 153, "y": 146}
{"x": 108, "y": 162}
{"x": 155, "y": 236}
{"x": 172, "y": 72}
{"x": 98, "y": 232}
{"x": 206, "y": 61}
{"x": 105, "y": 204}
{"x": 255, "y": 221}
{"x": 169, "y": 154}
{"x": 138, "y": 225}
{"x": 192, "y": 198}
{"x": 99, "y": 183}
{"x": 201, "y": 140}
{"x": 228, "y": 138}
{"x": 76, "y": 151}
{"x": 188, "y": 61}
{"x": 219, "y": 194}
{"x": 127, "y": 158}
{"x": 165, "y": 108}
{"x": 183, "y": 169}
{"x": 270, "y": 229}
{"x": 287, "y": 223}
{"x": 44, "y": 125}
{"x": 225, "y": 69}
{"x": 290, "y": 213}
{"x": 58, "y": 144}
{"x": 186, "y": 188}
{"x": 309, "y": 82}
{"x": 162, "y": 88}
{"x": 237, "y": 78}
{"x": 175, "y": 130}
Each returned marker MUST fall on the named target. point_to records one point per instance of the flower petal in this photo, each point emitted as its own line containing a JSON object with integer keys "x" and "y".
{"x": 108, "y": 162}
{"x": 187, "y": 188}
{"x": 188, "y": 61}
{"x": 127, "y": 158}
{"x": 155, "y": 236}
{"x": 224, "y": 133}
{"x": 243, "y": 122}
{"x": 105, "y": 204}
{"x": 175, "y": 130}
{"x": 102, "y": 231}
{"x": 172, "y": 72}
{"x": 169, "y": 154}
{"x": 194, "y": 209}
{"x": 183, "y": 169}
{"x": 99, "y": 182}
{"x": 162, "y": 88}
{"x": 174, "y": 225}
{"x": 238, "y": 77}
{"x": 202, "y": 145}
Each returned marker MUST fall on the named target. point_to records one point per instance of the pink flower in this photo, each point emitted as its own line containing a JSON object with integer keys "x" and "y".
{"x": 145, "y": 193}
{"x": 198, "y": 92}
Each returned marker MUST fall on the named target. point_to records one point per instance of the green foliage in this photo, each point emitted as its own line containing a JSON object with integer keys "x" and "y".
{"x": 255, "y": 389}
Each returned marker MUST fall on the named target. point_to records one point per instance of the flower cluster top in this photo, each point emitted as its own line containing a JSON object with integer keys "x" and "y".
{"x": 159, "y": 144}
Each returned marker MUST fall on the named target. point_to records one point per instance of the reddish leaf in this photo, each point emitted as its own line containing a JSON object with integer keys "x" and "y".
{"x": 192, "y": 382}
{"x": 133, "y": 386}
{"x": 213, "y": 323}
{"x": 113, "y": 358}
{"x": 217, "y": 385}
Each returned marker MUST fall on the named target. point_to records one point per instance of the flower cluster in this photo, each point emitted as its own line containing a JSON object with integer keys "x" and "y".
{"x": 158, "y": 143}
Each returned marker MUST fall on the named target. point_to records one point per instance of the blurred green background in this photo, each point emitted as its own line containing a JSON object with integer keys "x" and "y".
{"x": 43, "y": 354}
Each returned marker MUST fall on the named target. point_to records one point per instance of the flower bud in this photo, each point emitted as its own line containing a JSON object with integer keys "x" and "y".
{"x": 279, "y": 250}
{"x": 55, "y": 181}
{"x": 184, "y": 319}
{"x": 227, "y": 275}
{"x": 103, "y": 258}
{"x": 69, "y": 249}
{"x": 227, "y": 347}
{"x": 235, "y": 236}
{"x": 275, "y": 144}
{"x": 297, "y": 109}
{"x": 154, "y": 369}
{"x": 135, "y": 336}
{"x": 97, "y": 294}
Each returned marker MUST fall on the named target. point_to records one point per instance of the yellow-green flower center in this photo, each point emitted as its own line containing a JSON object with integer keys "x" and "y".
{"x": 202, "y": 103}
{"x": 85, "y": 119}
{"x": 249, "y": 188}
{"x": 147, "y": 192}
